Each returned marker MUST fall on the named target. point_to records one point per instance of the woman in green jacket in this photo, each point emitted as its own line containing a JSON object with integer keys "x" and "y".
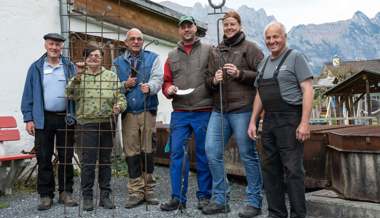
{"x": 96, "y": 92}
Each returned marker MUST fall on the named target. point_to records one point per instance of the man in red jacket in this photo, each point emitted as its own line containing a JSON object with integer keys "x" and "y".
{"x": 186, "y": 68}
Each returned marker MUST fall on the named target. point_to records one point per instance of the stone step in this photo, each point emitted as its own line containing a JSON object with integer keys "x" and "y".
{"x": 328, "y": 204}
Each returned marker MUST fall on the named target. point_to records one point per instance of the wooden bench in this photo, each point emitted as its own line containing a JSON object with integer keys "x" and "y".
{"x": 12, "y": 165}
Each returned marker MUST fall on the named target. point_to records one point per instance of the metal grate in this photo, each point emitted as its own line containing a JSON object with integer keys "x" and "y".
{"x": 83, "y": 26}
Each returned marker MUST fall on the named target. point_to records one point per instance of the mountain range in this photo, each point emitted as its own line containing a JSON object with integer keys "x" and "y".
{"x": 357, "y": 38}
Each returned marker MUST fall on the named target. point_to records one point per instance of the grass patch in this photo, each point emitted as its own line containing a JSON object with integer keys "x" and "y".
{"x": 119, "y": 167}
{"x": 30, "y": 187}
{"x": 3, "y": 205}
{"x": 76, "y": 172}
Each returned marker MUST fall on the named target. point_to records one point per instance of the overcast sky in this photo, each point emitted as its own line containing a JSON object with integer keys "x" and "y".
{"x": 294, "y": 12}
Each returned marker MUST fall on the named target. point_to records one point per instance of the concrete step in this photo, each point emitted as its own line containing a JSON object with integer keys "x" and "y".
{"x": 328, "y": 204}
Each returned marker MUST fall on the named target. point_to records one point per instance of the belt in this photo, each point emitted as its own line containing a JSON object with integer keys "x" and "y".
{"x": 56, "y": 112}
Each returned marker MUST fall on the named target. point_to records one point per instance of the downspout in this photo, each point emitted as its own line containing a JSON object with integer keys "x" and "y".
{"x": 64, "y": 20}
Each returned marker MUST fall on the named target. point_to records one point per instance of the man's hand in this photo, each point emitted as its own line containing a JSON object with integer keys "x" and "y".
{"x": 30, "y": 128}
{"x": 131, "y": 82}
{"x": 231, "y": 70}
{"x": 303, "y": 132}
{"x": 145, "y": 88}
{"x": 116, "y": 109}
{"x": 172, "y": 90}
{"x": 218, "y": 77}
{"x": 252, "y": 129}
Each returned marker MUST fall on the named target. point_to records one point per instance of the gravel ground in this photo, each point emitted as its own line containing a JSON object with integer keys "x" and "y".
{"x": 25, "y": 205}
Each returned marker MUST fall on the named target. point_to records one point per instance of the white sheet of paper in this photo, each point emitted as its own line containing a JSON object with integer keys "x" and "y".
{"x": 184, "y": 91}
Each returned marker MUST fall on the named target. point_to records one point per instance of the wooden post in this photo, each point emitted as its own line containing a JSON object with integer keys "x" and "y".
{"x": 368, "y": 97}
{"x": 369, "y": 106}
{"x": 351, "y": 109}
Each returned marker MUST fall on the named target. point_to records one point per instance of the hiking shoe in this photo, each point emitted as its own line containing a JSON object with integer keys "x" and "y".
{"x": 67, "y": 199}
{"x": 202, "y": 202}
{"x": 172, "y": 204}
{"x": 106, "y": 203}
{"x": 134, "y": 201}
{"x": 45, "y": 203}
{"x": 215, "y": 208}
{"x": 249, "y": 211}
{"x": 88, "y": 204}
{"x": 151, "y": 199}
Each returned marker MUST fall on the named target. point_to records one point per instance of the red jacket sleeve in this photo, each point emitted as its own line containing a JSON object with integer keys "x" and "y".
{"x": 168, "y": 79}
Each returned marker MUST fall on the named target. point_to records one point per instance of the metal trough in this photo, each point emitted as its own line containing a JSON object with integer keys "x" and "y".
{"x": 315, "y": 156}
{"x": 354, "y": 162}
{"x": 232, "y": 159}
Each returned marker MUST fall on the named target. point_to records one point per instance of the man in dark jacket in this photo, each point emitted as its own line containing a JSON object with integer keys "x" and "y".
{"x": 186, "y": 68}
{"x": 48, "y": 116}
{"x": 141, "y": 75}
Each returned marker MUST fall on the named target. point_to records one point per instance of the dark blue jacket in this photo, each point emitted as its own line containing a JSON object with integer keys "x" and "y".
{"x": 134, "y": 96}
{"x": 32, "y": 103}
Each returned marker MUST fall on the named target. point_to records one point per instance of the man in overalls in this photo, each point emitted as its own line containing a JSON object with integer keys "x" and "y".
{"x": 285, "y": 93}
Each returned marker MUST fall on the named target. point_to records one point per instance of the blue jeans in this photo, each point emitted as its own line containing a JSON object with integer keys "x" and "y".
{"x": 237, "y": 124}
{"x": 181, "y": 126}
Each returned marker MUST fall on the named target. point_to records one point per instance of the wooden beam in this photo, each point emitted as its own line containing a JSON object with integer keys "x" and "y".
{"x": 129, "y": 16}
{"x": 358, "y": 99}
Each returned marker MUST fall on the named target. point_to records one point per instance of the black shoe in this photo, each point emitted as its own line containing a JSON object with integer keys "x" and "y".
{"x": 134, "y": 201}
{"x": 171, "y": 205}
{"x": 215, "y": 208}
{"x": 88, "y": 204}
{"x": 249, "y": 211}
{"x": 106, "y": 203}
{"x": 45, "y": 203}
{"x": 203, "y": 202}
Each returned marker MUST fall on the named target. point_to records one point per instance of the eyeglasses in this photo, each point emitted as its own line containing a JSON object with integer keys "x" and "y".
{"x": 94, "y": 55}
{"x": 139, "y": 39}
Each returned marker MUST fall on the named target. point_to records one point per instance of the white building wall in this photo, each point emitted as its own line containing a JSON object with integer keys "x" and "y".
{"x": 23, "y": 24}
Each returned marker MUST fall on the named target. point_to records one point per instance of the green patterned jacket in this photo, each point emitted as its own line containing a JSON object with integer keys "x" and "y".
{"x": 95, "y": 95}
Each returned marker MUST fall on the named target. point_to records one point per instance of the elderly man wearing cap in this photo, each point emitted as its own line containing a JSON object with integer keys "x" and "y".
{"x": 48, "y": 116}
{"x": 186, "y": 68}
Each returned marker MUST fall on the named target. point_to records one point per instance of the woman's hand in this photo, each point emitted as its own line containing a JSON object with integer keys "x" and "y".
{"x": 231, "y": 70}
{"x": 116, "y": 109}
{"x": 81, "y": 67}
{"x": 218, "y": 77}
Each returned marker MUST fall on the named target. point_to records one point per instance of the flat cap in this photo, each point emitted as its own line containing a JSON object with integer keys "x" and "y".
{"x": 55, "y": 37}
{"x": 185, "y": 18}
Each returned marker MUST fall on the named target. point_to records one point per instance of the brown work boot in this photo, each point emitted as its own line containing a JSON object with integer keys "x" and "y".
{"x": 151, "y": 199}
{"x": 45, "y": 203}
{"x": 67, "y": 199}
{"x": 134, "y": 201}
